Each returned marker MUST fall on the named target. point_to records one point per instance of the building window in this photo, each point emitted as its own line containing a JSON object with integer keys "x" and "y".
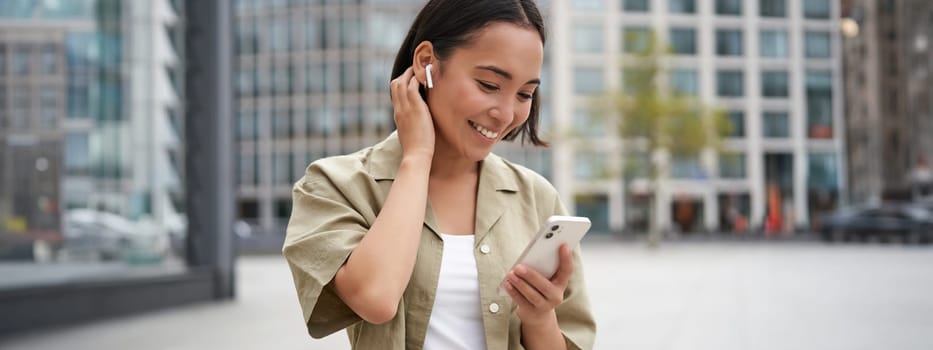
{"x": 245, "y": 37}
{"x": 772, "y": 8}
{"x": 819, "y": 94}
{"x": 587, "y": 124}
{"x": 686, "y": 167}
{"x": 315, "y": 79}
{"x": 350, "y": 33}
{"x": 246, "y": 166}
{"x": 246, "y": 125}
{"x": 19, "y": 115}
{"x": 773, "y": 44}
{"x": 278, "y": 32}
{"x": 281, "y": 80}
{"x": 588, "y": 165}
{"x": 349, "y": 122}
{"x": 49, "y": 59}
{"x": 737, "y": 122}
{"x": 816, "y": 44}
{"x": 77, "y": 98}
{"x": 263, "y": 81}
{"x": 350, "y": 77}
{"x": 77, "y": 158}
{"x": 729, "y": 42}
{"x": 684, "y": 41}
{"x": 816, "y": 9}
{"x": 21, "y": 59}
{"x": 19, "y": 119}
{"x": 729, "y": 7}
{"x": 588, "y": 38}
{"x": 636, "y": 5}
{"x": 729, "y": 83}
{"x": 587, "y": 5}
{"x": 685, "y": 81}
{"x": 682, "y": 6}
{"x": 2, "y": 60}
{"x": 48, "y": 101}
{"x": 595, "y": 207}
{"x": 248, "y": 209}
{"x": 732, "y": 166}
{"x": 379, "y": 74}
{"x": 775, "y": 125}
{"x": 319, "y": 121}
{"x": 635, "y": 39}
{"x": 281, "y": 123}
{"x": 245, "y": 83}
{"x": 282, "y": 169}
{"x": 314, "y": 34}
{"x": 823, "y": 173}
{"x": 311, "y": 122}
{"x": 68, "y": 9}
{"x": 386, "y": 31}
{"x": 326, "y": 124}
{"x": 299, "y": 163}
{"x": 774, "y": 84}
{"x": 588, "y": 81}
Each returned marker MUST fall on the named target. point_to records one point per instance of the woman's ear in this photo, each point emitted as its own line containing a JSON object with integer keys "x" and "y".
{"x": 424, "y": 56}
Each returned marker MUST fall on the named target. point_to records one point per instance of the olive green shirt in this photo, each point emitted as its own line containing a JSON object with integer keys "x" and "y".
{"x": 337, "y": 201}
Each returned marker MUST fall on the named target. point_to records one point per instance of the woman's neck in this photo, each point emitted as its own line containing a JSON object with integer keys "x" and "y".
{"x": 448, "y": 163}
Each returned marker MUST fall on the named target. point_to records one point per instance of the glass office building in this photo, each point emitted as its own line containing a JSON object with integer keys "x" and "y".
{"x": 94, "y": 161}
{"x": 91, "y": 131}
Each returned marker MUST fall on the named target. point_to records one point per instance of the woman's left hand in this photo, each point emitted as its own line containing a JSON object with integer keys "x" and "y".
{"x": 535, "y": 295}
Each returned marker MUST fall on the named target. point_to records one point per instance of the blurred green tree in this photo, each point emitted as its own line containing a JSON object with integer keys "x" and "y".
{"x": 656, "y": 122}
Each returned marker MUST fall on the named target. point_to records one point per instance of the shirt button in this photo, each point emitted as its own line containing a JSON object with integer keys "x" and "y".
{"x": 494, "y": 308}
{"x": 484, "y": 248}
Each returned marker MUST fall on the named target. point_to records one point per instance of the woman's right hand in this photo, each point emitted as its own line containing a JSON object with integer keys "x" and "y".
{"x": 412, "y": 116}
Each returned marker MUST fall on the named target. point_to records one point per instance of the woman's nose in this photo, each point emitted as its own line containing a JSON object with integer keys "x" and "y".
{"x": 504, "y": 112}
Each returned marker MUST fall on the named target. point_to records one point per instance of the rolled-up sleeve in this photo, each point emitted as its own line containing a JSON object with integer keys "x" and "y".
{"x": 323, "y": 230}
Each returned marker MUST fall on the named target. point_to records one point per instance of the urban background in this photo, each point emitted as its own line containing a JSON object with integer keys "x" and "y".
{"x": 824, "y": 106}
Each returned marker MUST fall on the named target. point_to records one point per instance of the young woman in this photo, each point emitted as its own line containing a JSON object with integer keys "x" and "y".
{"x": 405, "y": 243}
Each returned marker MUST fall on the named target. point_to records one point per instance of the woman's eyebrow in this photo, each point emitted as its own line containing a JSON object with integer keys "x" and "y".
{"x": 506, "y": 75}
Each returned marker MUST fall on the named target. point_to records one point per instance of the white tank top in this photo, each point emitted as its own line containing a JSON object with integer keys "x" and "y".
{"x": 456, "y": 320}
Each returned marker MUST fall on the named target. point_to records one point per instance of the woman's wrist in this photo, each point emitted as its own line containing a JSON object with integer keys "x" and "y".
{"x": 543, "y": 332}
{"x": 416, "y": 162}
{"x": 545, "y": 321}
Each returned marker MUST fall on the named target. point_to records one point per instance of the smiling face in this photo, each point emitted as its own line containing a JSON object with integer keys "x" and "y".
{"x": 483, "y": 90}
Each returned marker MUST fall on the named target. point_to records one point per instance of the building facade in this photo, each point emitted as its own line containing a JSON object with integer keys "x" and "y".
{"x": 888, "y": 83}
{"x": 773, "y": 66}
{"x": 95, "y": 170}
{"x": 311, "y": 81}
{"x": 90, "y": 112}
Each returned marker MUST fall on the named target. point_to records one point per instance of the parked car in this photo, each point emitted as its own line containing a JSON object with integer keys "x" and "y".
{"x": 926, "y": 203}
{"x": 908, "y": 223}
{"x": 96, "y": 235}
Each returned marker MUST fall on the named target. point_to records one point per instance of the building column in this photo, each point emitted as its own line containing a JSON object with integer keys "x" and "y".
{"x": 753, "y": 115}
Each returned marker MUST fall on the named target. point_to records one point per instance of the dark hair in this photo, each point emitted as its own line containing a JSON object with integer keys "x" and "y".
{"x": 449, "y": 24}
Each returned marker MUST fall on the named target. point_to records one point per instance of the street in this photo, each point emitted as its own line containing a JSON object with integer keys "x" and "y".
{"x": 697, "y": 295}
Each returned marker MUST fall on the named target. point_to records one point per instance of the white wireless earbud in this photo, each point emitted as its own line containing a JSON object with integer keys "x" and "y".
{"x": 427, "y": 71}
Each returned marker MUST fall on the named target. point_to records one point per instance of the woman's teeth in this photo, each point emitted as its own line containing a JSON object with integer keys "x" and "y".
{"x": 484, "y": 131}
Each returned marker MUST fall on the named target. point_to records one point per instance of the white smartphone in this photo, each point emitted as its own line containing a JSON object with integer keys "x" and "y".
{"x": 542, "y": 253}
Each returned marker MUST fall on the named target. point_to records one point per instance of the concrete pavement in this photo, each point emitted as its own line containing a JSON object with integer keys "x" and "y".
{"x": 715, "y": 295}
